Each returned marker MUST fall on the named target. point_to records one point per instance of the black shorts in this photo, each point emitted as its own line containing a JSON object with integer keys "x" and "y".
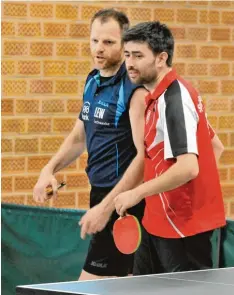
{"x": 103, "y": 258}
{"x": 160, "y": 255}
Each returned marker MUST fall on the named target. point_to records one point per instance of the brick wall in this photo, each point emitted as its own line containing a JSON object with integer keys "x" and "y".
{"x": 46, "y": 59}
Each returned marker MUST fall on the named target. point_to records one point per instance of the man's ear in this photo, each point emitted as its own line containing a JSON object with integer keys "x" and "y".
{"x": 162, "y": 59}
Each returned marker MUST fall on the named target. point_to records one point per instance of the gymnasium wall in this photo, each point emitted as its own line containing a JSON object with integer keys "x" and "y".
{"x": 45, "y": 59}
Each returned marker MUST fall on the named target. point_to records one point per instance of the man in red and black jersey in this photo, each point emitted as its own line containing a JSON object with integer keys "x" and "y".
{"x": 181, "y": 183}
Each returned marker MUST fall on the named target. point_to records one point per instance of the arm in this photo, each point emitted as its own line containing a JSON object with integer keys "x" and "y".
{"x": 133, "y": 176}
{"x": 217, "y": 145}
{"x": 185, "y": 169}
{"x": 72, "y": 147}
{"x": 178, "y": 119}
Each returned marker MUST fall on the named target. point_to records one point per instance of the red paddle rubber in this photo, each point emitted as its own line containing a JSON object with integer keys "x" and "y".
{"x": 127, "y": 234}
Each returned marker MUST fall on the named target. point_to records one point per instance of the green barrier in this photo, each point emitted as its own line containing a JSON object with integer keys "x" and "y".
{"x": 227, "y": 245}
{"x": 215, "y": 240}
{"x": 40, "y": 245}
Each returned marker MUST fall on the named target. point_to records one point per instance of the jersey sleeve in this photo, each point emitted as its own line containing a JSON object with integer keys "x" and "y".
{"x": 180, "y": 122}
{"x": 80, "y": 114}
{"x": 85, "y": 108}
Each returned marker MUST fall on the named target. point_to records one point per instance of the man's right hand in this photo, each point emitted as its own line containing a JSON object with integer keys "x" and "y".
{"x": 45, "y": 180}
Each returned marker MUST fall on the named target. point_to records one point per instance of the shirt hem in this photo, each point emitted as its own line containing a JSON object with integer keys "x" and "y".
{"x": 186, "y": 233}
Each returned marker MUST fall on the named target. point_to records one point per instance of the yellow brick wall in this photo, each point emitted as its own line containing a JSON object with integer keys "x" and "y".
{"x": 46, "y": 59}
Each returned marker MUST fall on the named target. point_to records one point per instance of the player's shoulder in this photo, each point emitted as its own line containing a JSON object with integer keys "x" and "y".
{"x": 91, "y": 74}
{"x": 187, "y": 85}
{"x": 180, "y": 89}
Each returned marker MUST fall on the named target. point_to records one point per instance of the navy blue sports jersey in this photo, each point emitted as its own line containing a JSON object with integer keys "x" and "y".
{"x": 105, "y": 114}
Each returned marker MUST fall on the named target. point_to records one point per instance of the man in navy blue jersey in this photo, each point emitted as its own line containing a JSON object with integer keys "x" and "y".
{"x": 111, "y": 126}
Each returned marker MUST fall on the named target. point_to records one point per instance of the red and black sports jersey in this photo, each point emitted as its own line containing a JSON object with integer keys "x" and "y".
{"x": 176, "y": 124}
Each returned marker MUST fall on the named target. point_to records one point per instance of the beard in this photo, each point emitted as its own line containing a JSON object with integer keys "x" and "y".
{"x": 146, "y": 79}
{"x": 147, "y": 76}
{"x": 107, "y": 63}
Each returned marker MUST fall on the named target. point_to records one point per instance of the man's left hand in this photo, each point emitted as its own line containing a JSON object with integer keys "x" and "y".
{"x": 126, "y": 200}
{"x": 94, "y": 220}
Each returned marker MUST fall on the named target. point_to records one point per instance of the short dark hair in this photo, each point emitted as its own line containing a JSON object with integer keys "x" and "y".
{"x": 105, "y": 14}
{"x": 157, "y": 35}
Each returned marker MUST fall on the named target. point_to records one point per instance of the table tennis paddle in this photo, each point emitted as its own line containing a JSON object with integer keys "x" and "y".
{"x": 49, "y": 190}
{"x": 127, "y": 234}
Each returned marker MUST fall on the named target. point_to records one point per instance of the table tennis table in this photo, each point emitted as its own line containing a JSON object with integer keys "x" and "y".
{"x": 204, "y": 282}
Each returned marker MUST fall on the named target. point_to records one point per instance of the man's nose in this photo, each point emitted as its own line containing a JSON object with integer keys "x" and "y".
{"x": 129, "y": 63}
{"x": 99, "y": 47}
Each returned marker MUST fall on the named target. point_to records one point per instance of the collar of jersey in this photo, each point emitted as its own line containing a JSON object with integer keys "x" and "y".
{"x": 162, "y": 86}
{"x": 114, "y": 79}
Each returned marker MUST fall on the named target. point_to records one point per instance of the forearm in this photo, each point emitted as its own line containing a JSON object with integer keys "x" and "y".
{"x": 218, "y": 148}
{"x": 217, "y": 154}
{"x": 174, "y": 177}
{"x": 68, "y": 152}
{"x": 131, "y": 178}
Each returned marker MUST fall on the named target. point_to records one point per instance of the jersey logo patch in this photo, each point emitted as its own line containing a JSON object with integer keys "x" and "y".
{"x": 99, "y": 113}
{"x": 85, "y": 111}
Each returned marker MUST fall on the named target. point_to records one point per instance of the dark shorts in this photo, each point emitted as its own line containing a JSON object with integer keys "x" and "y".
{"x": 103, "y": 258}
{"x": 160, "y": 255}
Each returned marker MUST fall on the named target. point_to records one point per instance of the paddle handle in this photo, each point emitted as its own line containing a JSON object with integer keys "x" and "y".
{"x": 49, "y": 190}
{"x": 125, "y": 214}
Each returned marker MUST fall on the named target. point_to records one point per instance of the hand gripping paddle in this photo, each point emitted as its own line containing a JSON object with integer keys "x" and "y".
{"x": 49, "y": 190}
{"x": 127, "y": 234}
